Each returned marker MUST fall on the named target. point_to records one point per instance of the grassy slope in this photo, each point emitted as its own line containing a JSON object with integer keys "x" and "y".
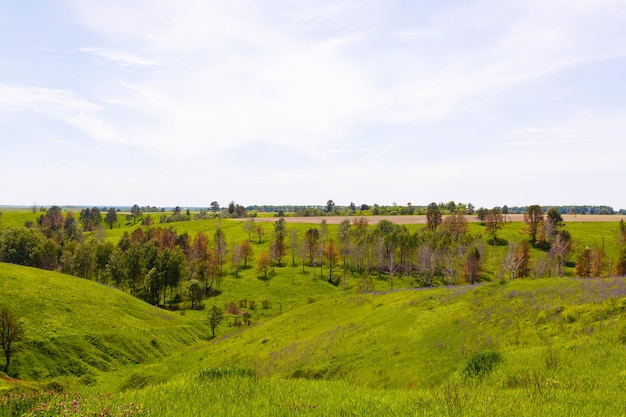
{"x": 562, "y": 343}
{"x": 78, "y": 327}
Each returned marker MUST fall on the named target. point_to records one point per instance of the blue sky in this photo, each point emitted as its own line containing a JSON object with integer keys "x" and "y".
{"x": 298, "y": 102}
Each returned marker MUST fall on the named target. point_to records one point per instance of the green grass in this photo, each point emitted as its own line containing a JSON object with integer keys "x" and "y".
{"x": 560, "y": 348}
{"x": 316, "y": 350}
{"x": 80, "y": 328}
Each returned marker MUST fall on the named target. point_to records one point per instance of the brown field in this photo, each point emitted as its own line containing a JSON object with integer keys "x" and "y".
{"x": 422, "y": 219}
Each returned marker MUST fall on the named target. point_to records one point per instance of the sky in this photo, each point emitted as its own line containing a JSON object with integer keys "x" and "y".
{"x": 164, "y": 103}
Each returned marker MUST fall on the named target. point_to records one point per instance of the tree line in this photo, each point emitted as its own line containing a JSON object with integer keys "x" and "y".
{"x": 165, "y": 267}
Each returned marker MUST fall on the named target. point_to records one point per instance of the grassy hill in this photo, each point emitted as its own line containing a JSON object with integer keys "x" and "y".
{"x": 525, "y": 347}
{"x": 559, "y": 345}
{"x": 81, "y": 328}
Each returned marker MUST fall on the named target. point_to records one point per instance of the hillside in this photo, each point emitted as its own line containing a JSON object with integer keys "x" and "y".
{"x": 559, "y": 344}
{"x": 81, "y": 328}
{"x": 421, "y": 338}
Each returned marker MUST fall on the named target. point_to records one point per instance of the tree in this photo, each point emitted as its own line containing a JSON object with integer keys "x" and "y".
{"x": 516, "y": 260}
{"x": 219, "y": 247}
{"x": 216, "y": 314}
{"x": 330, "y": 206}
{"x": 312, "y": 240}
{"x": 583, "y": 264}
{"x": 294, "y": 243}
{"x": 455, "y": 225}
{"x": 70, "y": 227}
{"x": 533, "y": 219}
{"x": 11, "y": 334}
{"x": 195, "y": 292}
{"x": 246, "y": 252}
{"x": 620, "y": 267}
{"x": 53, "y": 219}
{"x": 111, "y": 217}
{"x": 331, "y": 256}
{"x": 433, "y": 216}
{"x": 259, "y": 231}
{"x": 344, "y": 237}
{"x": 236, "y": 258}
{"x": 135, "y": 212}
{"x": 248, "y": 226}
{"x": 215, "y": 207}
{"x": 494, "y": 221}
{"x": 231, "y": 209}
{"x": 280, "y": 248}
{"x": 553, "y": 216}
{"x": 263, "y": 263}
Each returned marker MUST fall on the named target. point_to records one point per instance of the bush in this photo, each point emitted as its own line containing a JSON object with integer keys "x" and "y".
{"x": 482, "y": 363}
{"x": 219, "y": 372}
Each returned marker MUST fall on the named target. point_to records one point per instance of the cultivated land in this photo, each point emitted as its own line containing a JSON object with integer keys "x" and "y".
{"x": 525, "y": 347}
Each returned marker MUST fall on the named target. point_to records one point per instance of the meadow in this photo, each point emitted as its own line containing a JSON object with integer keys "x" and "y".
{"x": 524, "y": 347}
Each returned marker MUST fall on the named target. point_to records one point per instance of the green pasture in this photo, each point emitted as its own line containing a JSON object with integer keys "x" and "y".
{"x": 405, "y": 353}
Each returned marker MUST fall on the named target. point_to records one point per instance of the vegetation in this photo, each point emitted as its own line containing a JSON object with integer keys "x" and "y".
{"x": 336, "y": 319}
{"x": 11, "y": 334}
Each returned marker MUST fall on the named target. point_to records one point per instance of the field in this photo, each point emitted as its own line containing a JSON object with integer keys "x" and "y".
{"x": 501, "y": 347}
{"x": 515, "y": 218}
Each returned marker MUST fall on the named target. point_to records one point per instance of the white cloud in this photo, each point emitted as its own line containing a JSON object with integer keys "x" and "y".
{"x": 16, "y": 98}
{"x": 124, "y": 59}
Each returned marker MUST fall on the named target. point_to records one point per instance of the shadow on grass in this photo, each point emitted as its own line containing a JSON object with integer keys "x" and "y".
{"x": 498, "y": 242}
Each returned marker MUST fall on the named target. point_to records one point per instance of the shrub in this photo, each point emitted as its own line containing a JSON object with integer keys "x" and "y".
{"x": 482, "y": 363}
{"x": 223, "y": 372}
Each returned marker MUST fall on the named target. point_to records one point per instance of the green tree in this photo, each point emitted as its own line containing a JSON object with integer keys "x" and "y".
{"x": 279, "y": 246}
{"x": 111, "y": 217}
{"x": 344, "y": 237}
{"x": 330, "y": 206}
{"x": 215, "y": 207}
{"x": 115, "y": 269}
{"x": 216, "y": 314}
{"x": 312, "y": 240}
{"x": 18, "y": 246}
{"x": 135, "y": 212}
{"x": 11, "y": 334}
{"x": 195, "y": 292}
{"x": 70, "y": 227}
{"x": 433, "y": 216}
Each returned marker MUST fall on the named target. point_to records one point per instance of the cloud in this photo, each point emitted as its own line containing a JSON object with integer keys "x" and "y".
{"x": 384, "y": 91}
{"x": 17, "y": 98}
{"x": 533, "y": 136}
{"x": 124, "y": 59}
